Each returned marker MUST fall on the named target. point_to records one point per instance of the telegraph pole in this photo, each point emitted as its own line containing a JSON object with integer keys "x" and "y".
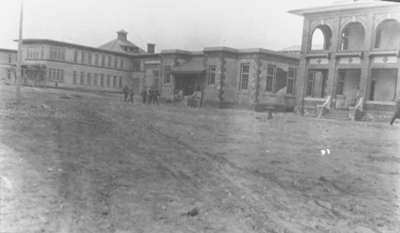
{"x": 19, "y": 56}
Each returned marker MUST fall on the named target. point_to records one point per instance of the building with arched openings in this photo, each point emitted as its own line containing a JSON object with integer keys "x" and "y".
{"x": 350, "y": 57}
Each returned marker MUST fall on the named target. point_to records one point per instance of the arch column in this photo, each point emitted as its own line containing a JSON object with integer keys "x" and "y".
{"x": 365, "y": 80}
{"x": 332, "y": 72}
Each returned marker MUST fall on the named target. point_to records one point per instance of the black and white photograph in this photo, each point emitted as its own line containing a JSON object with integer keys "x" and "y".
{"x": 199, "y": 116}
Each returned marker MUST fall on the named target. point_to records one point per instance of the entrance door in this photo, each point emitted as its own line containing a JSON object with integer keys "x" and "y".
{"x": 347, "y": 88}
{"x": 189, "y": 83}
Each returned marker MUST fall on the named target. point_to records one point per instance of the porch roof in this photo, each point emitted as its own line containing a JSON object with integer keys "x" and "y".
{"x": 191, "y": 67}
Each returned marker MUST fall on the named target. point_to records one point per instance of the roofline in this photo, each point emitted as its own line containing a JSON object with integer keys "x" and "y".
{"x": 8, "y": 50}
{"x": 343, "y": 6}
{"x": 48, "y": 41}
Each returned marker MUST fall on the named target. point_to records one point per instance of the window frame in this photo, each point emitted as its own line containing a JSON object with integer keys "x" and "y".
{"x": 212, "y": 74}
{"x": 244, "y": 76}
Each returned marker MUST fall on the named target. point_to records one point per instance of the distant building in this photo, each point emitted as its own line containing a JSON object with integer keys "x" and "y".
{"x": 225, "y": 76}
{"x": 358, "y": 64}
{"x": 8, "y": 59}
{"x": 294, "y": 50}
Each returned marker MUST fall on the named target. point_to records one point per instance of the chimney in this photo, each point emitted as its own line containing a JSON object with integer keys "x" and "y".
{"x": 151, "y": 48}
{"x": 122, "y": 35}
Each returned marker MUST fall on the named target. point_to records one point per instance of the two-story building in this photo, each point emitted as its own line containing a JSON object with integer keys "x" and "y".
{"x": 8, "y": 60}
{"x": 350, "y": 56}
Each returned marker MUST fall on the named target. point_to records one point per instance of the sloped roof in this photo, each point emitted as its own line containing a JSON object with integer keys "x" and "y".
{"x": 117, "y": 46}
{"x": 193, "y": 66}
{"x": 120, "y": 43}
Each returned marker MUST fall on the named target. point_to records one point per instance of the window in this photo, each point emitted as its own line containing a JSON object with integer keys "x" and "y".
{"x": 33, "y": 53}
{"x": 271, "y": 72}
{"x": 96, "y": 59}
{"x": 115, "y": 82}
{"x": 103, "y": 60}
{"x": 340, "y": 83}
{"x": 89, "y": 79}
{"x": 82, "y": 80}
{"x": 56, "y": 53}
{"x": 108, "y": 80}
{"x": 74, "y": 77}
{"x": 61, "y": 78}
{"x": 116, "y": 62}
{"x": 167, "y": 74}
{"x": 211, "y": 74}
{"x": 82, "y": 57}
{"x": 102, "y": 80}
{"x": 121, "y": 63}
{"x": 120, "y": 82}
{"x": 291, "y": 81}
{"x": 41, "y": 52}
{"x": 244, "y": 76}
{"x": 9, "y": 59}
{"x": 310, "y": 84}
{"x": 76, "y": 53}
{"x": 109, "y": 61}
{"x": 95, "y": 79}
{"x": 90, "y": 58}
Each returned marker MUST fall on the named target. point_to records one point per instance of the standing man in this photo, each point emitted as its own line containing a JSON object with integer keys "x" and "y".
{"x": 144, "y": 95}
{"x": 125, "y": 90}
{"x": 149, "y": 96}
{"x": 396, "y": 112}
{"x": 131, "y": 94}
{"x": 156, "y": 96}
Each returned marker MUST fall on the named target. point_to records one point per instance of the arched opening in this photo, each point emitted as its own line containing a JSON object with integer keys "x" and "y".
{"x": 353, "y": 36}
{"x": 388, "y": 35}
{"x": 321, "y": 38}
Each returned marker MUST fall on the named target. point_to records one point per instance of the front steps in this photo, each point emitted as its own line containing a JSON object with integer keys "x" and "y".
{"x": 337, "y": 114}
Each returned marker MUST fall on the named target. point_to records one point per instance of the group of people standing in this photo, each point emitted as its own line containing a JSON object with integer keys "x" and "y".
{"x": 149, "y": 95}
{"x": 129, "y": 93}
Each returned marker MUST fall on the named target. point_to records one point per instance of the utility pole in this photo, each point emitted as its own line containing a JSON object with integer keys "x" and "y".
{"x": 19, "y": 56}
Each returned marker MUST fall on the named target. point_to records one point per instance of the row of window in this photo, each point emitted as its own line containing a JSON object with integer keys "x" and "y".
{"x": 57, "y": 53}
{"x": 102, "y": 60}
{"x": 56, "y": 75}
{"x": 94, "y": 79}
{"x": 34, "y": 53}
{"x": 276, "y": 78}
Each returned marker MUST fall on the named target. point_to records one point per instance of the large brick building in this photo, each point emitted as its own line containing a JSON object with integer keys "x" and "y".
{"x": 225, "y": 76}
{"x": 350, "y": 56}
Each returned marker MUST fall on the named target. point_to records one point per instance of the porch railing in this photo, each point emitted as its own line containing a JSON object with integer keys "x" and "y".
{"x": 355, "y": 113}
{"x": 325, "y": 107}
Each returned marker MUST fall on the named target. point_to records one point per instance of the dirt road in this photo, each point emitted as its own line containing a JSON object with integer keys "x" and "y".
{"x": 86, "y": 162}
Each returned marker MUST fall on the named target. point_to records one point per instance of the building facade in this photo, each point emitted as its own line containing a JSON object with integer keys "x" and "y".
{"x": 230, "y": 77}
{"x": 8, "y": 59}
{"x": 225, "y": 76}
{"x": 350, "y": 57}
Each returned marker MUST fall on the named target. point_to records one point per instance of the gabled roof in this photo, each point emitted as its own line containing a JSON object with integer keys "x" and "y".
{"x": 121, "y": 44}
{"x": 344, "y": 5}
{"x": 118, "y": 45}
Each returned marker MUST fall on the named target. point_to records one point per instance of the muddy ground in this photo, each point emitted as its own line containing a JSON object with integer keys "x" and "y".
{"x": 87, "y": 162}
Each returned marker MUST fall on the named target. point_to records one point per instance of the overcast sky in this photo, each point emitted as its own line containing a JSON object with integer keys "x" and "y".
{"x": 182, "y": 24}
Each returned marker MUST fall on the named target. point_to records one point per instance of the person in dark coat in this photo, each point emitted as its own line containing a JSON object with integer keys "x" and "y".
{"x": 149, "y": 96}
{"x": 125, "y": 90}
{"x": 131, "y": 94}
{"x": 396, "y": 112}
{"x": 144, "y": 96}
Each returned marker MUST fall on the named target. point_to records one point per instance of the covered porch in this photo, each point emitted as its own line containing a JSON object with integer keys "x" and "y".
{"x": 189, "y": 81}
